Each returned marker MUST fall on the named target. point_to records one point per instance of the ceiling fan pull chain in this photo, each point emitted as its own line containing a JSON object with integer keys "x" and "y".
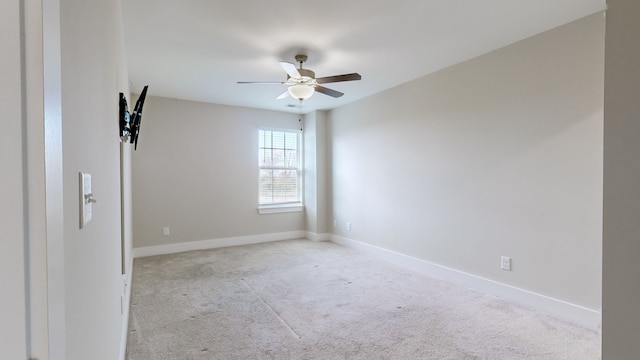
{"x": 300, "y": 116}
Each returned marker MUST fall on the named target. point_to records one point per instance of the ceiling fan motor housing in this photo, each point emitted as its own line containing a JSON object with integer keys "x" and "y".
{"x": 307, "y": 73}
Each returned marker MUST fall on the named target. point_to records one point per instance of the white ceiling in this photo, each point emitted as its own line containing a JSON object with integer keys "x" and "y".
{"x": 198, "y": 49}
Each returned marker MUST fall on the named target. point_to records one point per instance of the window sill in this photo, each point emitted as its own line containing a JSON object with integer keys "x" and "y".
{"x": 276, "y": 209}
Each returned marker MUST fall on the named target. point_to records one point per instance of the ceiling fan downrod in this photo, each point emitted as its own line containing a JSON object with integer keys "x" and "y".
{"x": 301, "y": 59}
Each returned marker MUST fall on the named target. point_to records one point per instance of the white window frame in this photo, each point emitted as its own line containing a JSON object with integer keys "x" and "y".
{"x": 283, "y": 207}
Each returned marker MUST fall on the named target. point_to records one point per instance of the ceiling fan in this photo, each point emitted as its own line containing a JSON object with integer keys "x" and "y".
{"x": 303, "y": 82}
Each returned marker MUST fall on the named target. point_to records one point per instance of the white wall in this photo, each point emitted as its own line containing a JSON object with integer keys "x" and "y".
{"x": 500, "y": 155}
{"x": 92, "y": 76}
{"x": 621, "y": 247}
{"x": 196, "y": 172}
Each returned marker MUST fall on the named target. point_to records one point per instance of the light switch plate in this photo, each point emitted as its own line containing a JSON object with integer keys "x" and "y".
{"x": 505, "y": 263}
{"x": 86, "y": 200}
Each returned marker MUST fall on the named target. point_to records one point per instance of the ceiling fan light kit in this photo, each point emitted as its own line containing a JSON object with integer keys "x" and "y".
{"x": 303, "y": 82}
{"x": 301, "y": 91}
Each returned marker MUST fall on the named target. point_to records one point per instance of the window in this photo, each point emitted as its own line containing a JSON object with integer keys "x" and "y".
{"x": 279, "y": 162}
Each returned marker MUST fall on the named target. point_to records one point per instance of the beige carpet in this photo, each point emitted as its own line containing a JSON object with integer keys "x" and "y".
{"x": 308, "y": 300}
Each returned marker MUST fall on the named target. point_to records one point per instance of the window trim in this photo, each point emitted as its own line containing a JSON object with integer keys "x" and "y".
{"x": 280, "y": 208}
{"x": 286, "y": 207}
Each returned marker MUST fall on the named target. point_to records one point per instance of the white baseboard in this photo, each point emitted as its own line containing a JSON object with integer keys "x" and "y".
{"x": 216, "y": 243}
{"x": 318, "y": 237}
{"x": 583, "y": 316}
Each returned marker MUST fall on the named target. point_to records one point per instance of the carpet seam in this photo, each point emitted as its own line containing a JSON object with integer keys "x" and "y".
{"x": 282, "y": 320}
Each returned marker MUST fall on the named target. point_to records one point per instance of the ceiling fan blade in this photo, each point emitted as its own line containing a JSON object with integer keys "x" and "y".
{"x": 283, "y": 95}
{"x": 261, "y": 82}
{"x": 290, "y": 69}
{"x": 330, "y": 92}
{"x": 338, "y": 78}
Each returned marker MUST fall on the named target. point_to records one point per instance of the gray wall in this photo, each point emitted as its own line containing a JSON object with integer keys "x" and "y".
{"x": 196, "y": 170}
{"x": 621, "y": 249}
{"x": 500, "y": 155}
{"x": 93, "y": 73}
{"x": 315, "y": 174}
{"x": 12, "y": 302}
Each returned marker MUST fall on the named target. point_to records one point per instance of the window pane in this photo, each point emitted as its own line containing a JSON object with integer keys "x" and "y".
{"x": 266, "y": 139}
{"x": 291, "y": 140}
{"x": 285, "y": 186}
{"x": 261, "y": 157}
{"x": 278, "y": 157}
{"x": 266, "y": 187}
{"x": 291, "y": 159}
{"x": 278, "y": 140}
{"x": 265, "y": 157}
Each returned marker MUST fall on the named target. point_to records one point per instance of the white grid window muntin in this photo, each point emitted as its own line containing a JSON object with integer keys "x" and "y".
{"x": 279, "y": 163}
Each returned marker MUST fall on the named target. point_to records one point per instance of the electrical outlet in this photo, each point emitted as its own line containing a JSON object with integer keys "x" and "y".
{"x": 335, "y": 222}
{"x": 348, "y": 226}
{"x": 505, "y": 263}
{"x": 166, "y": 231}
